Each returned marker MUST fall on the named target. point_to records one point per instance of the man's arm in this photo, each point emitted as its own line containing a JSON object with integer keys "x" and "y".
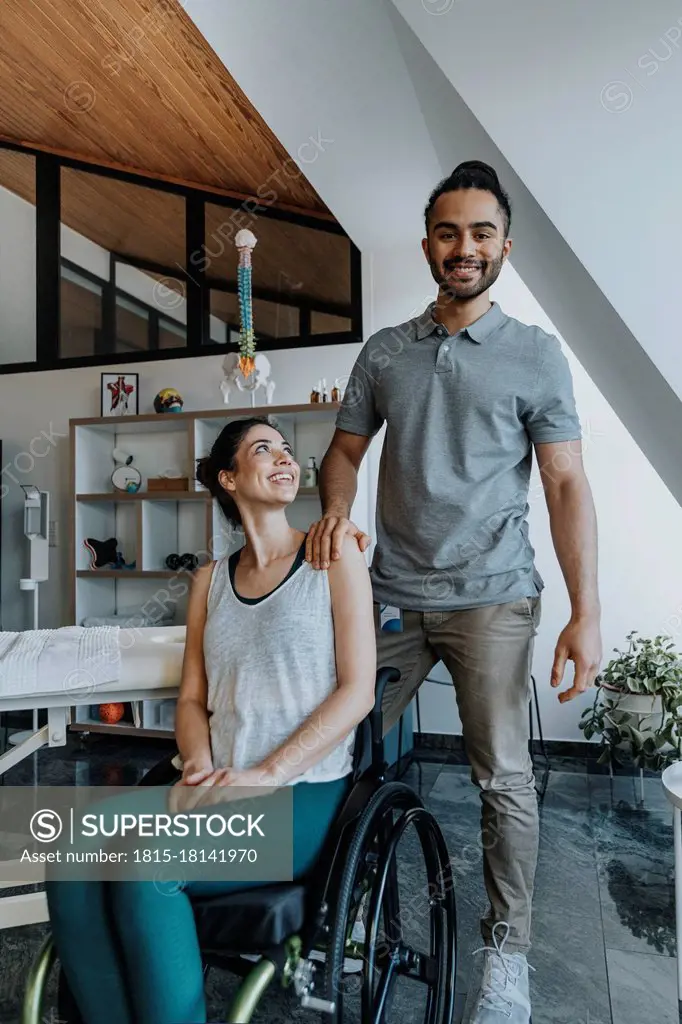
{"x": 338, "y": 486}
{"x": 573, "y": 526}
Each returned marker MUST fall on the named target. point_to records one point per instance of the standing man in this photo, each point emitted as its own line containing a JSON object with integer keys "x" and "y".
{"x": 466, "y": 393}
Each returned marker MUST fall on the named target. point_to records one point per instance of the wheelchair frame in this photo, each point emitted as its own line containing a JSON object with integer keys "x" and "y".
{"x": 333, "y": 895}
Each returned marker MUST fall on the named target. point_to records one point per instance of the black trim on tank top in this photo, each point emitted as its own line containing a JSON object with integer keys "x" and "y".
{"x": 232, "y": 567}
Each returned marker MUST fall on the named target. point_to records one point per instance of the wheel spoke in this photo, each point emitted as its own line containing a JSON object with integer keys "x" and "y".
{"x": 384, "y": 990}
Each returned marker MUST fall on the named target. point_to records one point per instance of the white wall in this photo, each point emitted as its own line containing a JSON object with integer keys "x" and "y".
{"x": 17, "y": 279}
{"x": 583, "y": 99}
{"x": 585, "y": 107}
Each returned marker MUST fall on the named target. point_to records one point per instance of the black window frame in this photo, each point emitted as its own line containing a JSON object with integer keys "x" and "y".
{"x": 198, "y": 284}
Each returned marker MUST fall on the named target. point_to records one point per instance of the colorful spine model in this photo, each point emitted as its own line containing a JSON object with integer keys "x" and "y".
{"x": 245, "y": 241}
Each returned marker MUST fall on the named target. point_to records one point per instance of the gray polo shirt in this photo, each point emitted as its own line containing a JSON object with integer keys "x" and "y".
{"x": 461, "y": 414}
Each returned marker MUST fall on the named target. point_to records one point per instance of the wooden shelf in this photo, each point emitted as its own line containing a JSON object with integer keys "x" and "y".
{"x": 127, "y": 729}
{"x": 147, "y": 496}
{"x": 128, "y": 574}
{"x": 227, "y": 412}
{"x": 306, "y": 492}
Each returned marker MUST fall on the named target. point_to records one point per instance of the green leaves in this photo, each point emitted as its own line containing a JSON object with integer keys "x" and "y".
{"x": 650, "y": 667}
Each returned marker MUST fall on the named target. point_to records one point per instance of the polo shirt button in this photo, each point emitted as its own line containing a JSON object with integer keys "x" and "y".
{"x": 445, "y": 348}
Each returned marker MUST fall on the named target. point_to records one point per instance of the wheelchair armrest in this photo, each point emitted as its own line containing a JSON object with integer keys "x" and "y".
{"x": 162, "y": 774}
{"x": 369, "y": 743}
{"x": 384, "y": 675}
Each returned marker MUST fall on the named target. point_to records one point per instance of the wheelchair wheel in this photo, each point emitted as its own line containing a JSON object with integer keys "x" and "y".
{"x": 371, "y": 876}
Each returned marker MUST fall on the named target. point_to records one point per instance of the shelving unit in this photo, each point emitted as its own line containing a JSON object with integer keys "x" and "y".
{"x": 150, "y": 525}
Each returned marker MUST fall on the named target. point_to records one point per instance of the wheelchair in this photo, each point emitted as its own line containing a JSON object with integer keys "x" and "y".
{"x": 277, "y": 931}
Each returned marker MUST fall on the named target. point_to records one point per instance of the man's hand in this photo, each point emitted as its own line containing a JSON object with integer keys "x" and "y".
{"x": 325, "y": 539}
{"x": 579, "y": 642}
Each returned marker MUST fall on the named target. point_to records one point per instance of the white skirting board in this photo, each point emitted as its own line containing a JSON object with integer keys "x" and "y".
{"x": 26, "y": 908}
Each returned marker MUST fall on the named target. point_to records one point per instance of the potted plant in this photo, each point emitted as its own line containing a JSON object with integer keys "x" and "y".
{"x": 637, "y": 709}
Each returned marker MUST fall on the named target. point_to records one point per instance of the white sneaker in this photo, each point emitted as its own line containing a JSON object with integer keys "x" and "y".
{"x": 504, "y": 991}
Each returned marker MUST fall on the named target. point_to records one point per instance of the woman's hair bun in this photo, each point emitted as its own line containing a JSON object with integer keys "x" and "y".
{"x": 206, "y": 474}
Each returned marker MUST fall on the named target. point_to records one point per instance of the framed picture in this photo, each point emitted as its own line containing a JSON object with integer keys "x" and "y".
{"x": 119, "y": 394}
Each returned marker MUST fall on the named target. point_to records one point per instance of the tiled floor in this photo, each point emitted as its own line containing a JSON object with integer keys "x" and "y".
{"x": 604, "y": 922}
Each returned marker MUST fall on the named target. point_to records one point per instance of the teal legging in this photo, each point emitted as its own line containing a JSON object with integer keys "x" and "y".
{"x": 130, "y": 952}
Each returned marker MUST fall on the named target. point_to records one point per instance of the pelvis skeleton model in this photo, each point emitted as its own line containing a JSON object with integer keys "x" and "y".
{"x": 258, "y": 378}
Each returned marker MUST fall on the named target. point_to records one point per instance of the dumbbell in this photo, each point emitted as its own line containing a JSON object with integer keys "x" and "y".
{"x": 186, "y": 561}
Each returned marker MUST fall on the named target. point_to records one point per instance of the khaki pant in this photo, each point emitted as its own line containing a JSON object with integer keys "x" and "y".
{"x": 488, "y": 652}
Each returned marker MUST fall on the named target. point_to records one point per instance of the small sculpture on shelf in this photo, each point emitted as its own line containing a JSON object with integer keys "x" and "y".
{"x": 104, "y": 554}
{"x": 168, "y": 400}
{"x": 258, "y": 378}
{"x": 125, "y": 477}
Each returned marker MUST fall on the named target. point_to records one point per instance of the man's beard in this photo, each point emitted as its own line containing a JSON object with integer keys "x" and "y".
{"x": 459, "y": 290}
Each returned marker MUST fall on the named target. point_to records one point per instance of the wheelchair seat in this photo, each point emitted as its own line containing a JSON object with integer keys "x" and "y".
{"x": 251, "y": 921}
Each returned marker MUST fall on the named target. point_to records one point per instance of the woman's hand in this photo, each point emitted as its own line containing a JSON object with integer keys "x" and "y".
{"x": 194, "y": 772}
{"x": 215, "y": 786}
{"x": 256, "y": 776}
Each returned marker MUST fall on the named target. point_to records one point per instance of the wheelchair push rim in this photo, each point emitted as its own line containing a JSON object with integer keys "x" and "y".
{"x": 373, "y": 851}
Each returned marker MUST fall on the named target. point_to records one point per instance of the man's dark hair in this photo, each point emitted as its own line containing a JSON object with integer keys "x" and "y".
{"x": 472, "y": 174}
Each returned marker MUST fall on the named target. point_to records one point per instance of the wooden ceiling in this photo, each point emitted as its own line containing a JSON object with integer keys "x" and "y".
{"x": 133, "y": 83}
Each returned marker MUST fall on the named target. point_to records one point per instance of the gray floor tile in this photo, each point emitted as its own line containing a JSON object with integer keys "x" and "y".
{"x": 422, "y": 777}
{"x": 454, "y": 786}
{"x": 634, "y": 846}
{"x": 643, "y": 988}
{"x": 566, "y": 793}
{"x": 639, "y": 919}
{"x": 566, "y": 875}
{"x": 611, "y": 793}
{"x": 472, "y": 904}
{"x": 570, "y": 981}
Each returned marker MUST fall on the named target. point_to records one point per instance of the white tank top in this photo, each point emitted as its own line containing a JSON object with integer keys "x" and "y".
{"x": 269, "y": 665}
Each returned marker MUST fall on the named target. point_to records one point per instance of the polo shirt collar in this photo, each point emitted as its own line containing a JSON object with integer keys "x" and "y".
{"x": 479, "y": 331}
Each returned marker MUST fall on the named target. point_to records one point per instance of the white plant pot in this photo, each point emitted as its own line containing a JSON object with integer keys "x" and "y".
{"x": 643, "y": 710}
